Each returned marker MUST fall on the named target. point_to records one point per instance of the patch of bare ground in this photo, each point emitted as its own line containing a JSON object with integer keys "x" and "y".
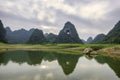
{"x": 111, "y": 51}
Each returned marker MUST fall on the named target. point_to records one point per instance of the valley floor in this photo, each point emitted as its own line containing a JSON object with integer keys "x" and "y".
{"x": 110, "y": 49}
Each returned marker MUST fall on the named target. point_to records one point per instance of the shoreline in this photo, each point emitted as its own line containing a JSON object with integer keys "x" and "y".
{"x": 110, "y": 49}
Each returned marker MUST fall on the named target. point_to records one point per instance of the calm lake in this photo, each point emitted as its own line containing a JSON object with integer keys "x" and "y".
{"x": 38, "y": 65}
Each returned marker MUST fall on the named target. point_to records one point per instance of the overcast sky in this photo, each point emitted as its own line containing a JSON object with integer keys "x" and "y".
{"x": 90, "y": 17}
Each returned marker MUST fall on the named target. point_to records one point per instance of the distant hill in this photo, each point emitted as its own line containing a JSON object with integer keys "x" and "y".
{"x": 18, "y": 36}
{"x": 83, "y": 41}
{"x": 114, "y": 35}
{"x": 37, "y": 37}
{"x": 68, "y": 34}
{"x": 89, "y": 40}
{"x": 51, "y": 37}
{"x": 2, "y": 33}
{"x": 99, "y": 38}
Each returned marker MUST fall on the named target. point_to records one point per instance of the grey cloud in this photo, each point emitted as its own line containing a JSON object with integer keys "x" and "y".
{"x": 9, "y": 16}
{"x": 68, "y": 17}
{"x": 72, "y": 2}
{"x": 114, "y": 14}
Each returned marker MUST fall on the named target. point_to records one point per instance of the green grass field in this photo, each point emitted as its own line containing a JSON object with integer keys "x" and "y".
{"x": 62, "y": 48}
{"x": 54, "y": 46}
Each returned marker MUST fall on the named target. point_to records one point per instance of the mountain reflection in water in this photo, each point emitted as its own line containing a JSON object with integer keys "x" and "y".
{"x": 39, "y": 65}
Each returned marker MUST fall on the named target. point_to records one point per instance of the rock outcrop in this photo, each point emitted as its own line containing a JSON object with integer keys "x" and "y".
{"x": 68, "y": 34}
{"x": 37, "y": 37}
{"x": 87, "y": 50}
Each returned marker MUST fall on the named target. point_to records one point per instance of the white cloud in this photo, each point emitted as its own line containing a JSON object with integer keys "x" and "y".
{"x": 51, "y": 17}
{"x": 54, "y": 13}
{"x": 59, "y": 5}
{"x": 94, "y": 10}
{"x": 41, "y": 15}
{"x": 43, "y": 9}
{"x": 49, "y": 29}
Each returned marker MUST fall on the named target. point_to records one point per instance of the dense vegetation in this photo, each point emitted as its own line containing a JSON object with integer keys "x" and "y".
{"x": 99, "y": 38}
{"x": 37, "y": 37}
{"x": 2, "y": 33}
{"x": 68, "y": 34}
{"x": 114, "y": 35}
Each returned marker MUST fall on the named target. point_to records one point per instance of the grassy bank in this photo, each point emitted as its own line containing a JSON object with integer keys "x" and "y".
{"x": 63, "y": 48}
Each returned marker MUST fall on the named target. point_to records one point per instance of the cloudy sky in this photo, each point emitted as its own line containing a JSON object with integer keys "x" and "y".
{"x": 90, "y": 17}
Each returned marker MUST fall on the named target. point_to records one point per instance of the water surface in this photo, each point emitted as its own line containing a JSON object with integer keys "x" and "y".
{"x": 38, "y": 65}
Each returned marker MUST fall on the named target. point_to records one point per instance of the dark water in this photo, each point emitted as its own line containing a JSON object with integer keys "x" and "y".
{"x": 38, "y": 65}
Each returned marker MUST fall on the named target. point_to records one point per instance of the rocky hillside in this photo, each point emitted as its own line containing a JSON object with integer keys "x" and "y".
{"x": 114, "y": 35}
{"x": 51, "y": 37}
{"x": 99, "y": 38}
{"x": 2, "y": 33}
{"x": 89, "y": 40}
{"x": 68, "y": 34}
{"x": 18, "y": 36}
{"x": 37, "y": 37}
